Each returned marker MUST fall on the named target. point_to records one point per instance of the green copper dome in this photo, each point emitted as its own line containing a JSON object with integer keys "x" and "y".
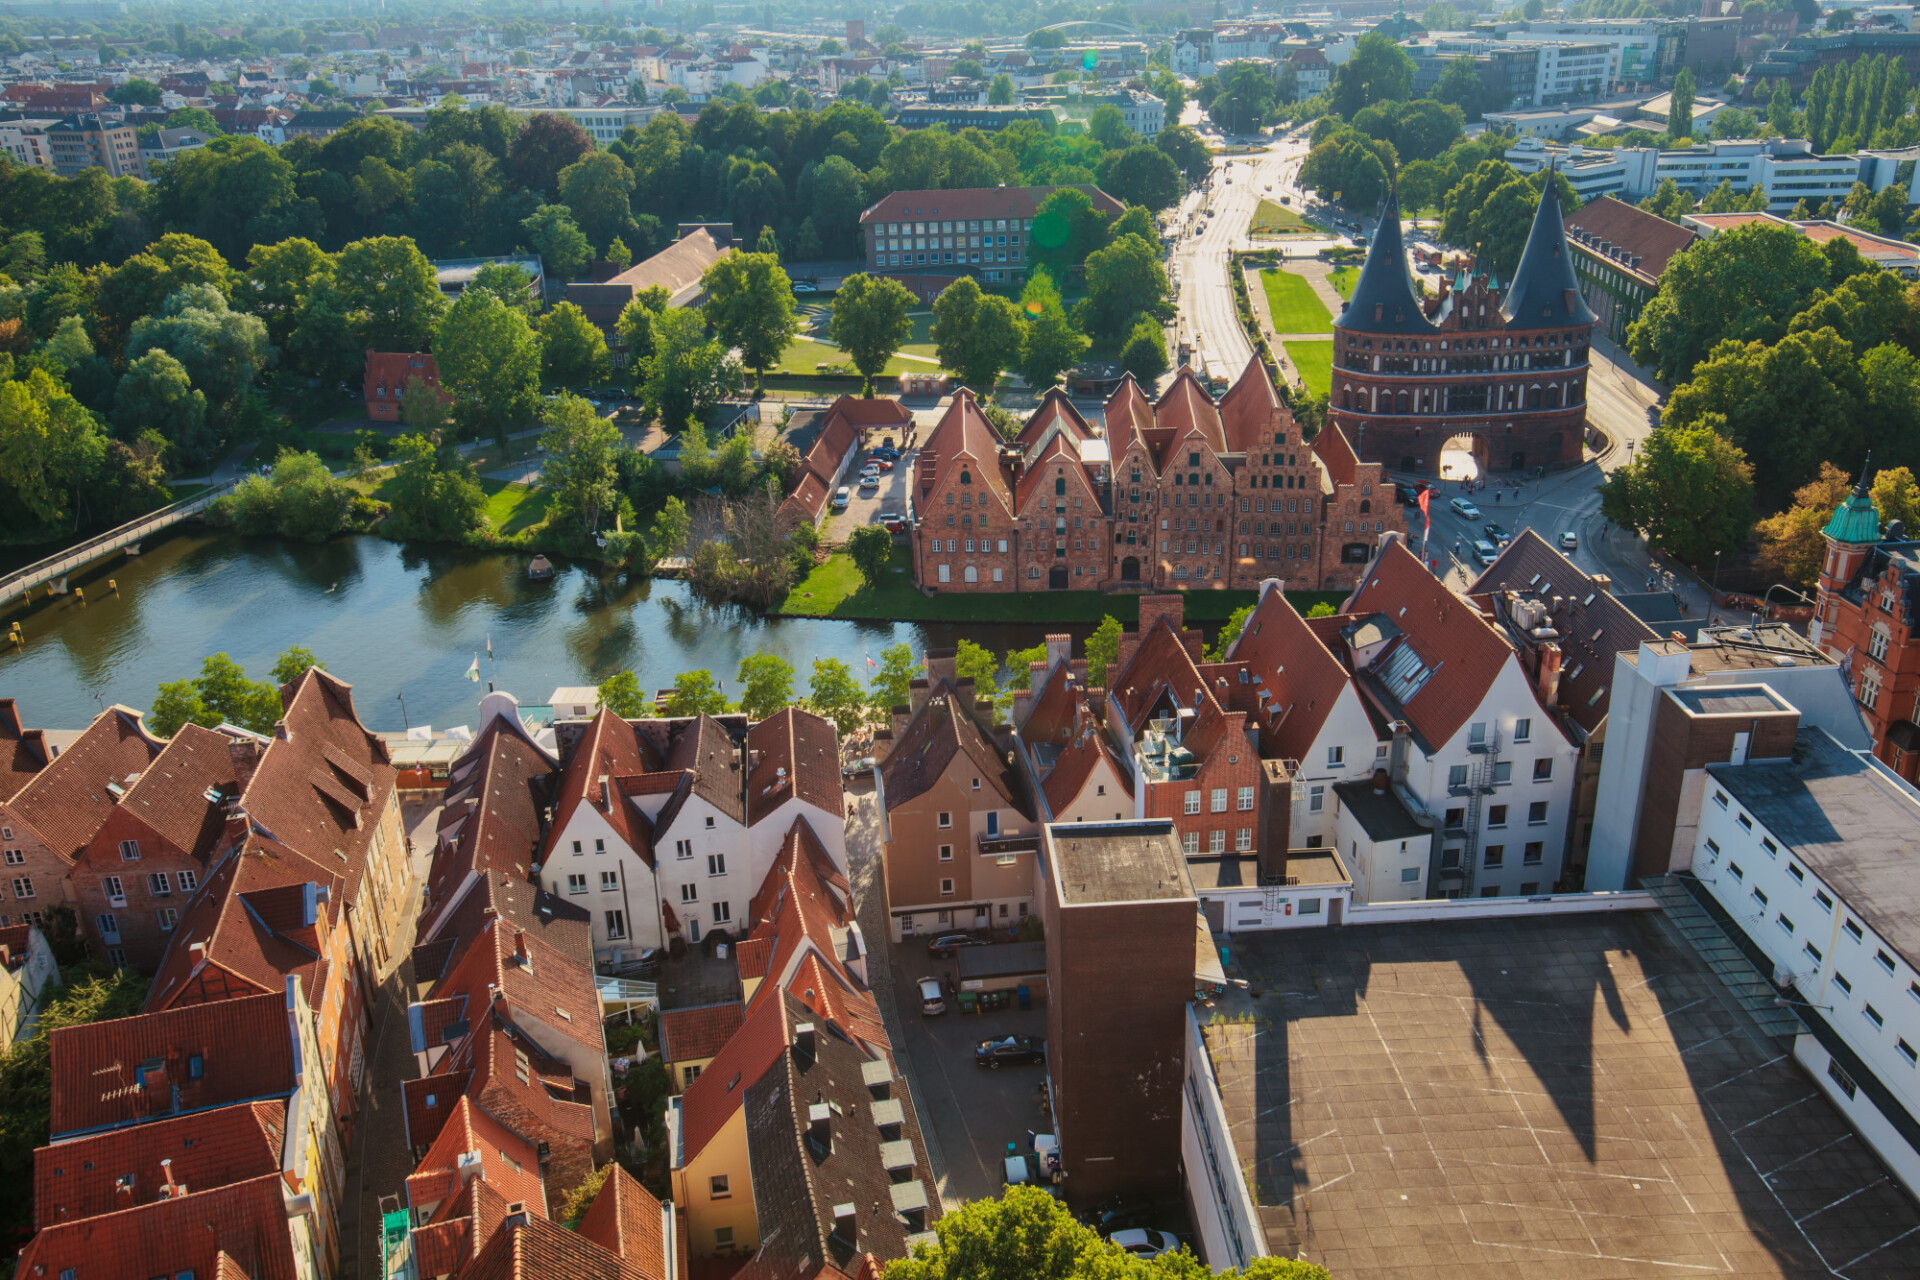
{"x": 1855, "y": 520}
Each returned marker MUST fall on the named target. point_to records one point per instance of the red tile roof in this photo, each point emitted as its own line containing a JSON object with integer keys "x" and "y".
{"x": 1076, "y": 763}
{"x": 625, "y": 1220}
{"x": 67, "y": 801}
{"x": 23, "y": 751}
{"x": 939, "y": 732}
{"x": 964, "y": 438}
{"x": 610, "y": 748}
{"x": 980, "y": 202}
{"x": 1299, "y": 672}
{"x": 1646, "y": 236}
{"x": 1054, "y": 407}
{"x": 1186, "y": 411}
{"x": 1336, "y": 454}
{"x": 128, "y": 1070}
{"x": 121, "y": 1168}
{"x": 699, "y": 1032}
{"x": 807, "y": 748}
{"x": 508, "y": 1163}
{"x": 237, "y": 1230}
{"x": 171, "y": 797}
{"x": 1129, "y": 417}
{"x": 1252, "y": 409}
{"x": 391, "y": 371}
{"x": 490, "y": 816}
{"x": 711, "y": 1101}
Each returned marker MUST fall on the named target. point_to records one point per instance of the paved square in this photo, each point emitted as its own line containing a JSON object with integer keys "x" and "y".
{"x": 1569, "y": 1097}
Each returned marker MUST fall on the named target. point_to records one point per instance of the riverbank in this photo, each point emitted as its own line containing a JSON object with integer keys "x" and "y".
{"x": 835, "y": 589}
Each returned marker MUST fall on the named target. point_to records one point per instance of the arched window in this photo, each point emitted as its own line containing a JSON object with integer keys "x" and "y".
{"x": 971, "y": 575}
{"x": 1365, "y": 506}
{"x": 966, "y": 477}
{"x": 1060, "y": 486}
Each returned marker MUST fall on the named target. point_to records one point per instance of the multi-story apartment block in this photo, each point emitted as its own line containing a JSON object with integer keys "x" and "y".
{"x": 1503, "y": 371}
{"x": 981, "y": 231}
{"x": 1178, "y": 494}
{"x": 1619, "y": 253}
{"x": 78, "y": 143}
{"x": 1786, "y": 170}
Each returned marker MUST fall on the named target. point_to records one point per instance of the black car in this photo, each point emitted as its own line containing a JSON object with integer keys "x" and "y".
{"x": 994, "y": 1054}
{"x": 947, "y": 943}
{"x": 1409, "y": 495}
{"x": 1497, "y": 535}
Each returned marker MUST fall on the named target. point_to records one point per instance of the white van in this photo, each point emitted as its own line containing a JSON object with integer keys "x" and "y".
{"x": 841, "y": 497}
{"x": 932, "y": 999}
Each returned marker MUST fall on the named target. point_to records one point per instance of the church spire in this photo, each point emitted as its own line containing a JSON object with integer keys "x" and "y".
{"x": 1383, "y": 299}
{"x": 1545, "y": 292}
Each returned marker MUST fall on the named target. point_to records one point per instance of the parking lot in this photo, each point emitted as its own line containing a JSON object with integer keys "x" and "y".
{"x": 867, "y": 505}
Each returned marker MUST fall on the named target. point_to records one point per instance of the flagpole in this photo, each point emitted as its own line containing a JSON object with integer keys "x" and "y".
{"x": 492, "y": 670}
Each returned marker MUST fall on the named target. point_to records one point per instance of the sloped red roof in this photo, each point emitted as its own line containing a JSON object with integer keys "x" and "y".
{"x": 67, "y": 801}
{"x": 1054, "y": 407}
{"x": 871, "y": 411}
{"x": 625, "y": 1220}
{"x": 393, "y": 370}
{"x": 494, "y": 792}
{"x": 942, "y": 729}
{"x": 710, "y": 1101}
{"x": 508, "y": 1163}
{"x": 1336, "y": 454}
{"x": 609, "y": 749}
{"x": 121, "y": 1168}
{"x": 1300, "y": 673}
{"x": 1252, "y": 409}
{"x": 244, "y": 1046}
{"x": 699, "y": 1032}
{"x": 172, "y": 795}
{"x": 1129, "y": 417}
{"x": 23, "y": 751}
{"x": 1076, "y": 763}
{"x": 807, "y": 747}
{"x": 1160, "y": 662}
{"x": 235, "y": 1230}
{"x": 1186, "y": 411}
{"x": 1036, "y": 477}
{"x": 964, "y": 438}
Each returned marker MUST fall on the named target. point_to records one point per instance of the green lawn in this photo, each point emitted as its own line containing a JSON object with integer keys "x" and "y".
{"x": 1274, "y": 219}
{"x": 1296, "y": 307}
{"x": 1343, "y": 279}
{"x": 1315, "y": 362}
{"x": 836, "y": 590}
{"x": 514, "y": 508}
{"x": 805, "y": 355}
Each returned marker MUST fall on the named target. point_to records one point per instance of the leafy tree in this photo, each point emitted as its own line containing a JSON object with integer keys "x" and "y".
{"x": 750, "y": 305}
{"x": 1423, "y": 185}
{"x": 424, "y": 408}
{"x": 293, "y": 663}
{"x": 1144, "y": 354}
{"x": 620, "y": 693}
{"x": 1052, "y": 345}
{"x": 1244, "y": 94}
{"x": 1791, "y": 542}
{"x": 1460, "y": 85}
{"x": 543, "y": 149}
{"x": 598, "y": 191}
{"x": 766, "y": 684}
{"x": 1689, "y": 492}
{"x": 49, "y": 447}
{"x": 223, "y": 351}
{"x": 1890, "y": 412}
{"x": 1142, "y": 175}
{"x": 892, "y": 682}
{"x": 1669, "y": 201}
{"x": 489, "y": 359}
{"x": 667, "y": 535}
{"x": 300, "y": 499}
{"x": 280, "y": 279}
{"x": 1109, "y": 128}
{"x": 871, "y": 549}
{"x": 142, "y": 284}
{"x": 157, "y": 395}
{"x": 558, "y": 240}
{"x": 1136, "y": 221}
{"x": 392, "y": 295}
{"x": 835, "y": 694}
{"x": 1184, "y": 148}
{"x": 1229, "y": 632}
{"x": 1000, "y": 92}
{"x": 220, "y": 694}
{"x": 870, "y": 322}
{"x": 1125, "y": 281}
{"x": 573, "y": 351}
{"x": 688, "y": 373}
{"x": 635, "y": 327}
{"x": 1745, "y": 284}
{"x": 1066, "y": 228}
{"x": 1868, "y": 309}
{"x": 977, "y": 663}
{"x": 975, "y": 334}
{"x": 1680, "y": 115}
{"x": 136, "y": 92}
{"x": 1102, "y": 650}
{"x": 1378, "y": 71}
{"x": 579, "y": 470}
{"x": 696, "y": 693}
{"x": 433, "y": 492}
{"x": 1896, "y": 496}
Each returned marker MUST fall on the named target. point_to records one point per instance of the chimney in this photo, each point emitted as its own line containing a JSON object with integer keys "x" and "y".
{"x": 467, "y": 1166}
{"x": 1547, "y": 677}
{"x": 1059, "y": 649}
{"x": 803, "y": 1040}
{"x": 846, "y": 1228}
{"x": 173, "y": 1188}
{"x": 917, "y": 692}
{"x": 520, "y": 949}
{"x": 197, "y": 951}
{"x": 942, "y": 664}
{"x": 516, "y": 1216}
{"x": 1602, "y": 582}
{"x": 820, "y": 1127}
{"x": 1397, "y": 754}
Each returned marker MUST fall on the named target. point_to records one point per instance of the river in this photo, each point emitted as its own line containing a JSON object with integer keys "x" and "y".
{"x": 405, "y": 621}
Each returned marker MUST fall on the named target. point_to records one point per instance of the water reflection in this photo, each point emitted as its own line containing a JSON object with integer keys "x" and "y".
{"x": 405, "y": 621}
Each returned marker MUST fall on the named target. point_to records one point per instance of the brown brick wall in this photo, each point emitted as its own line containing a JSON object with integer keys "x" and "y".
{"x": 1682, "y": 743}
{"x": 33, "y": 864}
{"x": 141, "y": 936}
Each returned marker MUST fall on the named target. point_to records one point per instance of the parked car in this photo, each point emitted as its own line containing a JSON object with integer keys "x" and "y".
{"x": 1485, "y": 552}
{"x": 1497, "y": 535}
{"x": 1463, "y": 508}
{"x": 859, "y": 768}
{"x": 803, "y": 286}
{"x": 869, "y": 479}
{"x": 1144, "y": 1242}
{"x": 1569, "y": 541}
{"x": 946, "y": 944}
{"x": 883, "y": 464}
{"x": 886, "y": 451}
{"x": 932, "y": 999}
{"x": 841, "y": 497}
{"x": 1408, "y": 494}
{"x": 890, "y": 522}
{"x": 995, "y": 1054}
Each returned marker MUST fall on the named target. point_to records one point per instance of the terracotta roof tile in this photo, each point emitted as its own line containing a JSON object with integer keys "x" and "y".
{"x": 1252, "y": 408}
{"x": 1076, "y": 763}
{"x": 1646, "y": 236}
{"x": 980, "y": 202}
{"x": 807, "y": 748}
{"x": 67, "y": 801}
{"x": 23, "y": 751}
{"x": 964, "y": 438}
{"x": 610, "y": 748}
{"x": 121, "y": 1168}
{"x": 1296, "y": 668}
{"x": 128, "y": 1070}
{"x": 625, "y": 1220}
{"x": 703, "y": 747}
{"x": 498, "y": 786}
{"x": 699, "y": 1032}
{"x": 1185, "y": 411}
{"x": 938, "y": 732}
{"x": 236, "y": 1229}
{"x": 509, "y": 1164}
{"x": 712, "y": 1099}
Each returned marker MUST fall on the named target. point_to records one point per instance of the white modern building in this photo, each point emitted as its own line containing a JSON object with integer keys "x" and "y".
{"x": 1812, "y": 858}
{"x": 1633, "y": 44}
{"x": 1787, "y": 170}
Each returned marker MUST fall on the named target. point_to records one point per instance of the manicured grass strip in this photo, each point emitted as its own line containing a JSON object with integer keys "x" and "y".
{"x": 836, "y": 590}
{"x": 1315, "y": 362}
{"x": 805, "y": 355}
{"x": 1274, "y": 219}
{"x": 514, "y": 507}
{"x": 1296, "y": 307}
{"x": 1343, "y": 279}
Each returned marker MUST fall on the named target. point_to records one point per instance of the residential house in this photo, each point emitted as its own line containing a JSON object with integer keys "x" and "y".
{"x": 957, "y": 827}
{"x": 828, "y": 446}
{"x": 319, "y": 125}
{"x": 1066, "y": 759}
{"x": 54, "y": 814}
{"x": 389, "y": 373}
{"x": 131, "y": 881}
{"x": 245, "y": 1228}
{"x": 79, "y": 143}
{"x": 963, "y": 490}
{"x": 625, "y": 1234}
{"x": 690, "y": 1038}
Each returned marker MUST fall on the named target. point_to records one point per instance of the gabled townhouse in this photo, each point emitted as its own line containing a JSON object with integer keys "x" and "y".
{"x": 1070, "y": 767}
{"x": 691, "y": 1037}
{"x": 47, "y": 822}
{"x": 625, "y": 1234}
{"x": 665, "y": 829}
{"x": 472, "y": 1145}
{"x": 957, "y": 827}
{"x": 241, "y": 1229}
{"x": 131, "y": 881}
{"x": 175, "y": 1071}
{"x": 122, "y": 1168}
{"x": 963, "y": 503}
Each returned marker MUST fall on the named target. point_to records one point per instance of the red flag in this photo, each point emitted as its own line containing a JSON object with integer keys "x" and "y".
{"x": 1425, "y": 495}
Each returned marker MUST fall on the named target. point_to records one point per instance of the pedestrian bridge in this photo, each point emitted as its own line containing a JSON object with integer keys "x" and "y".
{"x": 19, "y": 584}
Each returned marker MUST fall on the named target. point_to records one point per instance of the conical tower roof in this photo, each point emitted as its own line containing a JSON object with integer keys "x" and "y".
{"x": 1855, "y": 521}
{"x": 1545, "y": 293}
{"x": 1383, "y": 299}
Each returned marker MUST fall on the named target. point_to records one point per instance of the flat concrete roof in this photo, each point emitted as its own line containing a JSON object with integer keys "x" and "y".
{"x": 1575, "y": 1096}
{"x": 1748, "y": 648}
{"x": 1379, "y": 812}
{"x": 1730, "y": 699}
{"x": 1137, "y": 861}
{"x": 1852, "y": 825}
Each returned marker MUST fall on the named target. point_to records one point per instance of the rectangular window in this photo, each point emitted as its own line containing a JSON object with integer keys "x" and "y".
{"x": 946, "y": 888}
{"x": 717, "y": 1188}
{"x": 609, "y": 881}
{"x": 16, "y": 857}
{"x": 1783, "y": 919}
{"x": 1496, "y": 856}
{"x": 1532, "y": 854}
{"x": 1316, "y": 799}
{"x": 1496, "y": 815}
{"x": 158, "y": 884}
{"x": 1770, "y": 847}
{"x": 1216, "y": 842}
{"x": 1243, "y": 839}
{"x": 111, "y": 886}
{"x": 1746, "y": 823}
{"x": 187, "y": 880}
{"x": 722, "y": 912}
{"x": 168, "y": 918}
{"x": 723, "y": 1238}
{"x": 1853, "y": 930}
{"x": 945, "y": 821}
{"x": 1840, "y": 981}
{"x": 1502, "y": 773}
{"x": 1456, "y": 819}
{"x": 1409, "y": 875}
{"x": 689, "y": 893}
{"x": 1336, "y": 757}
{"x": 1192, "y": 802}
{"x": 23, "y": 886}
{"x": 683, "y": 849}
{"x": 1873, "y": 1016}
{"x": 1798, "y": 875}
{"x": 1884, "y": 960}
{"x": 1826, "y": 902}
{"x": 1543, "y": 769}
{"x": 1522, "y": 730}
{"x": 1246, "y": 799}
{"x": 616, "y": 924}
{"x": 1537, "y": 813}
{"x": 576, "y": 884}
{"x": 1738, "y": 874}
{"x": 1190, "y": 842}
{"x": 1720, "y": 798}
{"x": 1813, "y": 952}
{"x": 130, "y": 850}
{"x": 716, "y": 864}
{"x": 1219, "y": 799}
{"x": 109, "y": 927}
{"x": 1906, "y": 1051}
{"x": 946, "y": 853}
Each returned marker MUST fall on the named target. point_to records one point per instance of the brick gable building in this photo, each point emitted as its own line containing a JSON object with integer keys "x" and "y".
{"x": 1507, "y": 369}
{"x": 1865, "y": 618}
{"x": 1175, "y": 494}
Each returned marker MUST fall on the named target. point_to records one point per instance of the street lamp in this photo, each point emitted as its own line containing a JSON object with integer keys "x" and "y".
{"x": 1713, "y": 601}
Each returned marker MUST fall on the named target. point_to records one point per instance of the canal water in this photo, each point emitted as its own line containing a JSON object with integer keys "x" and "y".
{"x": 405, "y": 622}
